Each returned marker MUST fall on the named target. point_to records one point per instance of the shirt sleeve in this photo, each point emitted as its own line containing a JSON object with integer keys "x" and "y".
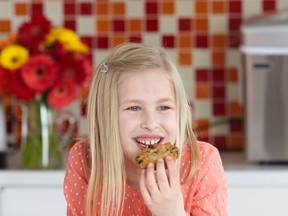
{"x": 75, "y": 181}
{"x": 210, "y": 196}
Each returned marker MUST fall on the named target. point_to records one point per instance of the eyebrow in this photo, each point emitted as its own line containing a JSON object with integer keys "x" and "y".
{"x": 166, "y": 99}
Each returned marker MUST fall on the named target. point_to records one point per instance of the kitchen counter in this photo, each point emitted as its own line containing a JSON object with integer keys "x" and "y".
{"x": 253, "y": 189}
{"x": 238, "y": 172}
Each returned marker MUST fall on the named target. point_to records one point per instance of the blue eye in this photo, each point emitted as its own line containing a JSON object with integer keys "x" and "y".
{"x": 164, "y": 108}
{"x": 133, "y": 108}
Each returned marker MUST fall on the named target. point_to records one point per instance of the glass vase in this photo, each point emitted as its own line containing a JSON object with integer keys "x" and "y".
{"x": 40, "y": 148}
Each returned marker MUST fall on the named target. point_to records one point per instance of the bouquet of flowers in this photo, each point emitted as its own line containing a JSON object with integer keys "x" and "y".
{"x": 44, "y": 61}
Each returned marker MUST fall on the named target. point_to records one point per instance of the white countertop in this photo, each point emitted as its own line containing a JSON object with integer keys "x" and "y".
{"x": 238, "y": 173}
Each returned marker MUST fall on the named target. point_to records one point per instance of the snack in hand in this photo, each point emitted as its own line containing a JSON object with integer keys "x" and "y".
{"x": 154, "y": 152}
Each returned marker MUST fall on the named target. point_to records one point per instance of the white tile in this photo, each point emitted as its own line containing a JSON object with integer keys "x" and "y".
{"x": 233, "y": 92}
{"x": 203, "y": 109}
{"x": 6, "y": 9}
{"x": 86, "y": 25}
{"x": 188, "y": 80}
{"x": 168, "y": 24}
{"x": 201, "y": 58}
{"x": 184, "y": 8}
{"x": 281, "y": 4}
{"x": 251, "y": 9}
{"x": 233, "y": 58}
{"x": 218, "y": 24}
{"x": 219, "y": 126}
{"x": 53, "y": 7}
{"x": 152, "y": 39}
{"x": 135, "y": 9}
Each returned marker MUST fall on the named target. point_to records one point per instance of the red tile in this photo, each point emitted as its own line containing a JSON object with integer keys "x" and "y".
{"x": 151, "y": 8}
{"x": 71, "y": 24}
{"x": 219, "y": 92}
{"x": 236, "y": 125}
{"x": 86, "y": 8}
{"x": 185, "y": 24}
{"x": 168, "y": 41}
{"x": 234, "y": 23}
{"x": 269, "y": 5}
{"x": 88, "y": 41}
{"x": 37, "y": 8}
{"x": 235, "y": 7}
{"x": 202, "y": 75}
{"x": 219, "y": 109}
{"x": 151, "y": 24}
{"x": 218, "y": 75}
{"x": 69, "y": 8}
{"x": 220, "y": 142}
{"x": 135, "y": 38}
{"x": 102, "y": 42}
{"x": 234, "y": 39}
{"x": 202, "y": 41}
{"x": 119, "y": 25}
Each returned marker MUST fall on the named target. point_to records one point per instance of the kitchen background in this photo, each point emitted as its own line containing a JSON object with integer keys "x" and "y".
{"x": 203, "y": 37}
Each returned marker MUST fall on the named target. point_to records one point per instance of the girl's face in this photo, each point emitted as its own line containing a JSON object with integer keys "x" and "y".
{"x": 147, "y": 112}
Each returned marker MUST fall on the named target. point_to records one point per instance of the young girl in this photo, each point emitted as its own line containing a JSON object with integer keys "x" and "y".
{"x": 137, "y": 99}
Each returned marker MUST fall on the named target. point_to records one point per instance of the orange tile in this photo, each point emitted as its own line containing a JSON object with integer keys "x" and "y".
{"x": 235, "y": 109}
{"x": 103, "y": 25}
{"x": 5, "y": 26}
{"x": 102, "y": 8}
{"x": 235, "y": 141}
{"x": 118, "y": 8}
{"x": 135, "y": 25}
{"x": 201, "y": 24}
{"x": 184, "y": 57}
{"x": 202, "y": 125}
{"x": 185, "y": 41}
{"x": 203, "y": 91}
{"x": 233, "y": 75}
{"x": 20, "y": 8}
{"x": 218, "y": 58}
{"x": 218, "y": 41}
{"x": 218, "y": 6}
{"x": 117, "y": 39}
{"x": 201, "y": 7}
{"x": 167, "y": 7}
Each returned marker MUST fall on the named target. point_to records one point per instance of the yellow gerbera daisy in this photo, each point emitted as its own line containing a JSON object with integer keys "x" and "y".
{"x": 13, "y": 57}
{"x": 67, "y": 38}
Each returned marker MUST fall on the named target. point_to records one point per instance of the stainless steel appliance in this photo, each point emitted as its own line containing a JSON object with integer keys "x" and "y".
{"x": 265, "y": 54}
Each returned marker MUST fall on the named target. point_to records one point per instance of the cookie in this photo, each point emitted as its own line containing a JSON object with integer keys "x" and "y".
{"x": 154, "y": 152}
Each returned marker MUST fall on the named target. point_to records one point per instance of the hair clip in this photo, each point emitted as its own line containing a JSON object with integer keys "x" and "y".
{"x": 104, "y": 68}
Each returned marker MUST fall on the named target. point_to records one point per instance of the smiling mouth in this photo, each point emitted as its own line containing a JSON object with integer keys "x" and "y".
{"x": 148, "y": 142}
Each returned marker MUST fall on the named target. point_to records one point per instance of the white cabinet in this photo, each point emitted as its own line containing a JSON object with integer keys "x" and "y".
{"x": 264, "y": 201}
{"x": 251, "y": 192}
{"x": 257, "y": 192}
{"x": 31, "y": 193}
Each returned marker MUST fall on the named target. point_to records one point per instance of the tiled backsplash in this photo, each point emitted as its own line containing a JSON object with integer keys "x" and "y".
{"x": 202, "y": 36}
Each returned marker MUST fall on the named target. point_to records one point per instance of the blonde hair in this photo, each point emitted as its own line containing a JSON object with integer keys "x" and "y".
{"x": 107, "y": 175}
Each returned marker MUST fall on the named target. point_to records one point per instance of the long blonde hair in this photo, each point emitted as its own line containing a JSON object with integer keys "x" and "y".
{"x": 107, "y": 175}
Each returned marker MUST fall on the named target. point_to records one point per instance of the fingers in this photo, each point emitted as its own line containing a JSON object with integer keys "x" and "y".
{"x": 173, "y": 173}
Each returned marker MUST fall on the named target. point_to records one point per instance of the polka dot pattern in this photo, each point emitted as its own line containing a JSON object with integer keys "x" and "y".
{"x": 204, "y": 194}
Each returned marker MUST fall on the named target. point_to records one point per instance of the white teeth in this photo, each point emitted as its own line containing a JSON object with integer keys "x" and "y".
{"x": 149, "y": 142}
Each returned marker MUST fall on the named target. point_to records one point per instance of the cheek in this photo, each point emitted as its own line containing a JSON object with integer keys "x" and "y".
{"x": 170, "y": 123}
{"x": 126, "y": 125}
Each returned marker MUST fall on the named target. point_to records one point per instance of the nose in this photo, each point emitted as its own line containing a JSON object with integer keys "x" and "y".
{"x": 150, "y": 121}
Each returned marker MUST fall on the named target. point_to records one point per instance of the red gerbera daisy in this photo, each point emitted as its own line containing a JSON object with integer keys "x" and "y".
{"x": 19, "y": 89}
{"x": 39, "y": 72}
{"x": 74, "y": 69}
{"x": 5, "y": 81}
{"x": 62, "y": 94}
{"x": 32, "y": 33}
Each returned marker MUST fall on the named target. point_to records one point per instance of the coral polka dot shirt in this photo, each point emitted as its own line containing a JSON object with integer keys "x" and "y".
{"x": 204, "y": 194}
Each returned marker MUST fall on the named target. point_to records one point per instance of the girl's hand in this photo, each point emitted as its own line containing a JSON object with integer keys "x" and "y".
{"x": 161, "y": 189}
